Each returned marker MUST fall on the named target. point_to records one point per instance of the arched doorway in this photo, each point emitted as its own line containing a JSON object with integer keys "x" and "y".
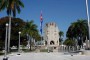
{"x": 51, "y": 42}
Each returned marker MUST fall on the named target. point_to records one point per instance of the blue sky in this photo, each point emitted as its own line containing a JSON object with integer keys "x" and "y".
{"x": 62, "y": 12}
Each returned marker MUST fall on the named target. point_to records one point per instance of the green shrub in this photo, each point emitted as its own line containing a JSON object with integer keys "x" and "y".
{"x": 1, "y": 53}
{"x": 43, "y": 50}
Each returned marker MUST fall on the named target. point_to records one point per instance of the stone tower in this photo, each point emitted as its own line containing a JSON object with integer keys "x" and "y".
{"x": 51, "y": 35}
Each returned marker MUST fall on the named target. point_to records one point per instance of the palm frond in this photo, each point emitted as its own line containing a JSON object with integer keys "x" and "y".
{"x": 12, "y": 6}
{"x": 20, "y": 3}
{"x": 3, "y": 5}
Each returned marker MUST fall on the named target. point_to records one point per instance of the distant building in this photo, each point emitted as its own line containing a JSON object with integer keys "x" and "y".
{"x": 51, "y": 35}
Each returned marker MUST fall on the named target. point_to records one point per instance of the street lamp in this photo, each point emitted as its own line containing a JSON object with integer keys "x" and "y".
{"x": 19, "y": 43}
{"x": 5, "y": 53}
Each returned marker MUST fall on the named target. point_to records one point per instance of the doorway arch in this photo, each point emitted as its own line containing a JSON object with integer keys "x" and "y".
{"x": 52, "y": 43}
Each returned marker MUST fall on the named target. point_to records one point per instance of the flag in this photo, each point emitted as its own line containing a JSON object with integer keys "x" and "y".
{"x": 41, "y": 21}
{"x": 41, "y": 18}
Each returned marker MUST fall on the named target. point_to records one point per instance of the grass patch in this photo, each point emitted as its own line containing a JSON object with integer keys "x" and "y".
{"x": 14, "y": 50}
{"x": 26, "y": 50}
{"x": 44, "y": 50}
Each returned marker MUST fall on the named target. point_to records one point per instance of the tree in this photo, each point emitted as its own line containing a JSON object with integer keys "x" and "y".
{"x": 60, "y": 36}
{"x": 30, "y": 29}
{"x": 11, "y": 6}
{"x": 78, "y": 30}
{"x": 17, "y": 25}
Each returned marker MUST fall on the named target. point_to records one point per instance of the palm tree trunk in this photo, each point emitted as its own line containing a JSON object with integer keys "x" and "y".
{"x": 82, "y": 41}
{"x": 9, "y": 33}
{"x": 76, "y": 41}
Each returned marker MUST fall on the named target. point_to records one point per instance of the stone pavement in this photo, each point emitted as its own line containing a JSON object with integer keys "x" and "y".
{"x": 45, "y": 56}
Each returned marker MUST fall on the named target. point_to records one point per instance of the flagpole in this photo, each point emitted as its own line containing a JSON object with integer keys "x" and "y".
{"x": 41, "y": 39}
{"x": 88, "y": 19}
{"x": 41, "y": 33}
{"x": 41, "y": 21}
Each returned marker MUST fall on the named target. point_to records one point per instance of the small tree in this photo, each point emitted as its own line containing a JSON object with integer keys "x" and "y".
{"x": 61, "y": 34}
{"x": 69, "y": 42}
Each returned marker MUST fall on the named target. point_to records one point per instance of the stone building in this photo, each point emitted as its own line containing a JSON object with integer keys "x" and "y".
{"x": 51, "y": 35}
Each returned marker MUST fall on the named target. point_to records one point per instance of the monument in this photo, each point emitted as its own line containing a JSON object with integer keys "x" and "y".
{"x": 51, "y": 36}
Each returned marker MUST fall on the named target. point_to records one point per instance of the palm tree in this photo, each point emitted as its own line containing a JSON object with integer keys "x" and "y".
{"x": 78, "y": 30}
{"x": 11, "y": 7}
{"x": 30, "y": 29}
{"x": 60, "y": 35}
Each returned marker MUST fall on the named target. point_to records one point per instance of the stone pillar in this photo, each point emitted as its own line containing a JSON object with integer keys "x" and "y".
{"x": 87, "y": 44}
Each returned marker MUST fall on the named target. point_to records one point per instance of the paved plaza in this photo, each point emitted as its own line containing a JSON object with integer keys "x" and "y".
{"x": 45, "y": 56}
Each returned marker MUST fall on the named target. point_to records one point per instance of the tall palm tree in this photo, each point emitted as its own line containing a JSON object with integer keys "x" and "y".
{"x": 78, "y": 30}
{"x": 11, "y": 7}
{"x": 30, "y": 29}
{"x": 60, "y": 36}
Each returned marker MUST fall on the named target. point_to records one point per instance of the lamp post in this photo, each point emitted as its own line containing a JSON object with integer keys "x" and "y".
{"x": 28, "y": 45}
{"x": 19, "y": 43}
{"x": 88, "y": 20}
{"x": 5, "y": 53}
